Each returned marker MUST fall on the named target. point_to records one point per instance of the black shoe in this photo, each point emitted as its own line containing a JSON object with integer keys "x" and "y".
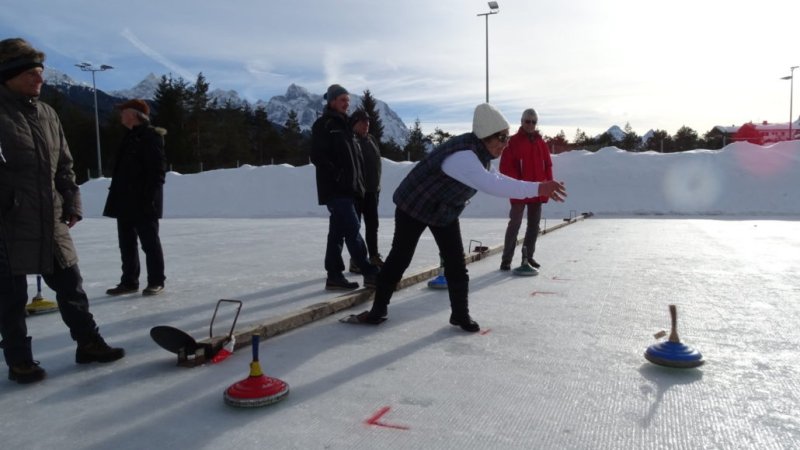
{"x": 376, "y": 261}
{"x": 370, "y": 281}
{"x": 96, "y": 350}
{"x": 153, "y": 289}
{"x": 466, "y": 324}
{"x": 340, "y": 284}
{"x": 504, "y": 266}
{"x": 26, "y": 372}
{"x": 122, "y": 289}
{"x": 533, "y": 263}
{"x": 354, "y": 267}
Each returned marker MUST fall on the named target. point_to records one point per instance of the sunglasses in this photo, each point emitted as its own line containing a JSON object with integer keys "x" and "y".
{"x": 502, "y": 137}
{"x": 530, "y": 122}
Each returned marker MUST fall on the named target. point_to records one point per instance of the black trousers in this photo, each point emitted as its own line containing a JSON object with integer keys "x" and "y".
{"x": 407, "y": 232}
{"x": 72, "y": 302}
{"x": 130, "y": 232}
{"x": 368, "y": 209}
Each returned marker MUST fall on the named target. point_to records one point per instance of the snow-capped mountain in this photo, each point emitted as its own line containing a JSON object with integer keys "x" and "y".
{"x": 309, "y": 106}
{"x": 146, "y": 89}
{"x": 306, "y": 105}
{"x": 56, "y": 78}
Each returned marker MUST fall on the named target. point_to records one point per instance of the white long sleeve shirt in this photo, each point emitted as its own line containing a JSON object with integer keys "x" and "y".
{"x": 465, "y": 167}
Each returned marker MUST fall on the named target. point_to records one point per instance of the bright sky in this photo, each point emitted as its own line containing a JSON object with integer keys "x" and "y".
{"x": 580, "y": 63}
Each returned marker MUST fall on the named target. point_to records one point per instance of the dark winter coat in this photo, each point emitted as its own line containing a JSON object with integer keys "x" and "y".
{"x": 137, "y": 186}
{"x": 371, "y": 154}
{"x": 527, "y": 158}
{"x": 337, "y": 158}
{"x": 431, "y": 196}
{"x": 38, "y": 193}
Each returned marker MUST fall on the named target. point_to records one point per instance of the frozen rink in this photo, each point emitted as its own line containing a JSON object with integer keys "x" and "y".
{"x": 558, "y": 363}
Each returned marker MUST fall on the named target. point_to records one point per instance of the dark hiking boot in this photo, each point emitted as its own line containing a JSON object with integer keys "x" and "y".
{"x": 96, "y": 350}
{"x": 26, "y": 372}
{"x": 340, "y": 284}
{"x": 122, "y": 289}
{"x": 153, "y": 289}
{"x": 533, "y": 263}
{"x": 466, "y": 323}
{"x": 354, "y": 267}
{"x": 370, "y": 281}
{"x": 505, "y": 266}
{"x": 376, "y": 261}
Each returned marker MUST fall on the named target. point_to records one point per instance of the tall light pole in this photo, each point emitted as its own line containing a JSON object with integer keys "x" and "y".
{"x": 493, "y": 9}
{"x": 791, "y": 96}
{"x": 86, "y": 67}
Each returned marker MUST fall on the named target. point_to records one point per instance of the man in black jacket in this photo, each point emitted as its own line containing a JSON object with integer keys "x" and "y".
{"x": 368, "y": 206}
{"x": 135, "y": 198}
{"x": 340, "y": 183}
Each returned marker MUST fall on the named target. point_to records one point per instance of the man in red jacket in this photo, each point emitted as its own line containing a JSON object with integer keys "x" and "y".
{"x": 526, "y": 158}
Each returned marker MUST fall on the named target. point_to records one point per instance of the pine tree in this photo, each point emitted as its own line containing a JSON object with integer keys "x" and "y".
{"x": 170, "y": 113}
{"x": 660, "y": 141}
{"x": 417, "y": 143}
{"x": 369, "y": 105}
{"x": 296, "y": 152}
{"x": 203, "y": 147}
{"x": 631, "y": 141}
{"x": 439, "y": 136}
{"x": 685, "y": 139}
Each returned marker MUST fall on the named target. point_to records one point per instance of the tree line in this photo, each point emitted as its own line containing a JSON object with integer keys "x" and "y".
{"x": 204, "y": 135}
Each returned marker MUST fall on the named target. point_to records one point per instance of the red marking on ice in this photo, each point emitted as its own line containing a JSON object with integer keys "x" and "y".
{"x": 535, "y": 293}
{"x": 374, "y": 420}
{"x": 485, "y": 332}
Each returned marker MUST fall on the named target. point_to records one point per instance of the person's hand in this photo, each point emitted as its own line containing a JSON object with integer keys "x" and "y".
{"x": 554, "y": 190}
{"x": 71, "y": 220}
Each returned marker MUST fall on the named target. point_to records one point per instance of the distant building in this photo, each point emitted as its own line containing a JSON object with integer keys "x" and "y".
{"x": 763, "y": 133}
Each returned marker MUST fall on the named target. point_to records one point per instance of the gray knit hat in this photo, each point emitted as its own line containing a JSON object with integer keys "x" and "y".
{"x": 334, "y": 91}
{"x": 487, "y": 121}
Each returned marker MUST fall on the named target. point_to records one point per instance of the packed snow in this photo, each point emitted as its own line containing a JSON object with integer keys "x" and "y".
{"x": 558, "y": 364}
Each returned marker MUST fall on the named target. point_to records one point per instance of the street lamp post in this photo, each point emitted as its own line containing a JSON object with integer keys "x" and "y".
{"x": 86, "y": 67}
{"x": 493, "y": 9}
{"x": 791, "y": 96}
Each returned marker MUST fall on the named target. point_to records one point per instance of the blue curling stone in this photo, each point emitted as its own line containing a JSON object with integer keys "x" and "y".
{"x": 673, "y": 354}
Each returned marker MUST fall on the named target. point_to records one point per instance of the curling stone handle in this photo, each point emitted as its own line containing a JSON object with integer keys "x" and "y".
{"x": 255, "y": 347}
{"x": 673, "y": 313}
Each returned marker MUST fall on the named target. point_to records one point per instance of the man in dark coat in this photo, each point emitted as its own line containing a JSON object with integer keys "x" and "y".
{"x": 135, "y": 198}
{"x": 340, "y": 183}
{"x": 39, "y": 203}
{"x": 368, "y": 206}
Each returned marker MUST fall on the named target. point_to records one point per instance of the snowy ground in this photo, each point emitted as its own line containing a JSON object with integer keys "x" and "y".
{"x": 558, "y": 365}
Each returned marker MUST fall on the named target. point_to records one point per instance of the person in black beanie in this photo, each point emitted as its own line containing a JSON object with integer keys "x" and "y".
{"x": 39, "y": 203}
{"x": 433, "y": 195}
{"x": 340, "y": 184}
{"x": 368, "y": 207}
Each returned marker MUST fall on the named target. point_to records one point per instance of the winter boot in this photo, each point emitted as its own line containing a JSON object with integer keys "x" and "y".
{"x": 466, "y": 323}
{"x": 354, "y": 267}
{"x": 505, "y": 266}
{"x": 122, "y": 289}
{"x": 96, "y": 350}
{"x": 533, "y": 263}
{"x": 376, "y": 261}
{"x": 340, "y": 284}
{"x": 153, "y": 289}
{"x": 26, "y": 372}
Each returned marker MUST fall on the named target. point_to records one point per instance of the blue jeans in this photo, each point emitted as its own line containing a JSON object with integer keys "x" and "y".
{"x": 344, "y": 228}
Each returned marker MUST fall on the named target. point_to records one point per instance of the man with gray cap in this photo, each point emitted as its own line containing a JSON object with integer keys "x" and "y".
{"x": 526, "y": 158}
{"x": 433, "y": 195}
{"x": 340, "y": 184}
{"x": 39, "y": 203}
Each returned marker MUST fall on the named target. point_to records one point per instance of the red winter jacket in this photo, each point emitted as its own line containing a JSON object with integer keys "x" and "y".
{"x": 527, "y": 158}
